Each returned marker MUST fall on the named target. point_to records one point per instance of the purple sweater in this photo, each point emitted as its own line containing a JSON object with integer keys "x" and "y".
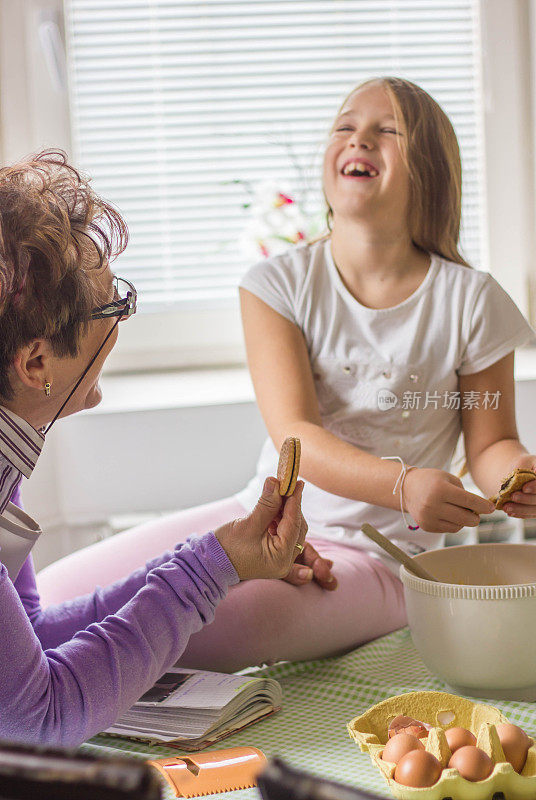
{"x": 68, "y": 671}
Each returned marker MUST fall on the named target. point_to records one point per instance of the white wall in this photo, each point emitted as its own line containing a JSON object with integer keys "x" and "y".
{"x": 138, "y": 462}
{"x": 142, "y": 460}
{"x": 508, "y": 102}
{"x": 526, "y": 406}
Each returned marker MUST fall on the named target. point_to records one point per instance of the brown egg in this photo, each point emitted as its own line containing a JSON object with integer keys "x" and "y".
{"x": 407, "y": 725}
{"x": 418, "y": 768}
{"x": 515, "y": 744}
{"x": 459, "y": 737}
{"x": 472, "y": 763}
{"x": 399, "y": 745}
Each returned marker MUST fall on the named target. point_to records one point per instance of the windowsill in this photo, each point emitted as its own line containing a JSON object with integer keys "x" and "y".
{"x": 525, "y": 364}
{"x": 151, "y": 391}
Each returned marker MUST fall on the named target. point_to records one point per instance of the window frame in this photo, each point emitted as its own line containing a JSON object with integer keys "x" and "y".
{"x": 34, "y": 112}
{"x": 509, "y": 128}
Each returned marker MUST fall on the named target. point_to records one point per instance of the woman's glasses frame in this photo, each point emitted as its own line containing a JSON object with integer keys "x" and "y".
{"x": 124, "y": 303}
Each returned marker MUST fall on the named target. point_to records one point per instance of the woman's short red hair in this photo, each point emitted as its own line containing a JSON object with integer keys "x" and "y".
{"x": 50, "y": 219}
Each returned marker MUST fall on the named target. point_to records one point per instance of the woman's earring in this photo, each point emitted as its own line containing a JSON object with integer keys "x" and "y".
{"x": 47, "y": 389}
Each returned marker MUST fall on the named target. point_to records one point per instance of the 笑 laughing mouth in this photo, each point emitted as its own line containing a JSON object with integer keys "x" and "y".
{"x": 359, "y": 168}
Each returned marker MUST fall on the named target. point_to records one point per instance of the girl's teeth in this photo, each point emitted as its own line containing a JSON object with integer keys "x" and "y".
{"x": 361, "y": 168}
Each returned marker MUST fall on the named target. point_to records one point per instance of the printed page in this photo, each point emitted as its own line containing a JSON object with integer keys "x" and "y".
{"x": 185, "y": 688}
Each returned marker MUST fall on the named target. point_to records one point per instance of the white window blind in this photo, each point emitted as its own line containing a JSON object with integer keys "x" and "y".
{"x": 173, "y": 102}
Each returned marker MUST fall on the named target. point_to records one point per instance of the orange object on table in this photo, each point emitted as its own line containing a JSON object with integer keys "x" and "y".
{"x": 216, "y": 771}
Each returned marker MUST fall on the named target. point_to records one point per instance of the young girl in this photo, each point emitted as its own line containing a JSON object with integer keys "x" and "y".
{"x": 377, "y": 346}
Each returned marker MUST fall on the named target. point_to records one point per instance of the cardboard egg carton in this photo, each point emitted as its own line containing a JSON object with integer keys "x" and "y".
{"x": 442, "y": 710}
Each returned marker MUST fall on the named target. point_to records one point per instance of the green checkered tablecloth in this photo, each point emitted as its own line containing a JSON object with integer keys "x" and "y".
{"x": 319, "y": 698}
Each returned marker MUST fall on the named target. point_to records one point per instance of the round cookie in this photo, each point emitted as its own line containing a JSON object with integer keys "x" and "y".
{"x": 289, "y": 465}
{"x": 513, "y": 483}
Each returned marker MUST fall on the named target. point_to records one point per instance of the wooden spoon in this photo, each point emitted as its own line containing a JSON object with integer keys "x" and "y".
{"x": 398, "y": 554}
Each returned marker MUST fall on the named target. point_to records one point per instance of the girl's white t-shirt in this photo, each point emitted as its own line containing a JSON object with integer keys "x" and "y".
{"x": 386, "y": 379}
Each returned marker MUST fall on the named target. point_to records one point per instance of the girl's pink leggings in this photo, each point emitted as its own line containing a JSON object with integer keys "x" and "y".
{"x": 260, "y": 621}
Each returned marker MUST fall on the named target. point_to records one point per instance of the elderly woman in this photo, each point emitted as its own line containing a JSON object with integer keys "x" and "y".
{"x": 70, "y": 670}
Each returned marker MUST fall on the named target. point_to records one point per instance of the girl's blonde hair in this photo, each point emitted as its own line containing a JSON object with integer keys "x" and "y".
{"x": 430, "y": 149}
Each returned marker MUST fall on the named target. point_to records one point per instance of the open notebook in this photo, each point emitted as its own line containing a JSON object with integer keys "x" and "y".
{"x": 192, "y": 709}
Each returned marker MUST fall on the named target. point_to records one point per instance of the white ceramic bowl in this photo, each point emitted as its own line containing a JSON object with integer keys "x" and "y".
{"x": 476, "y": 628}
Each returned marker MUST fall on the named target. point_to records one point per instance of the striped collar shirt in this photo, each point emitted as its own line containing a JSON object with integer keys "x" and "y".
{"x": 20, "y": 447}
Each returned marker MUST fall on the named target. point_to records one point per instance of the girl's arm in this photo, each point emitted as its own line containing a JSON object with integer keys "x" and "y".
{"x": 284, "y": 386}
{"x": 492, "y": 444}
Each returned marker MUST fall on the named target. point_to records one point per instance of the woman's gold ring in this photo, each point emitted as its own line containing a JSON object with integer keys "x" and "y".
{"x": 300, "y": 547}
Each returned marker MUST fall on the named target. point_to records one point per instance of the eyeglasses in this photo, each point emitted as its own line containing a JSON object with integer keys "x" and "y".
{"x": 123, "y": 305}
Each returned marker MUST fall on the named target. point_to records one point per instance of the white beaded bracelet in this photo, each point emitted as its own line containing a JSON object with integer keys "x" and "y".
{"x": 399, "y": 486}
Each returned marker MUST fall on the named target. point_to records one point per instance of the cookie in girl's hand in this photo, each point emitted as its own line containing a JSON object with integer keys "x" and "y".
{"x": 513, "y": 483}
{"x": 289, "y": 465}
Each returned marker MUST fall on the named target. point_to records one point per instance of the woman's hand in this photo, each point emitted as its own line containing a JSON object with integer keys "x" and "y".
{"x": 310, "y": 565}
{"x": 438, "y": 502}
{"x": 263, "y": 544}
{"x": 523, "y": 503}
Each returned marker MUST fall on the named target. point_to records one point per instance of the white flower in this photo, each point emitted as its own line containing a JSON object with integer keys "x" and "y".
{"x": 276, "y": 221}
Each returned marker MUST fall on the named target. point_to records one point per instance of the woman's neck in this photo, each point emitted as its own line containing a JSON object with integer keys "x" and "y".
{"x": 379, "y": 267}
{"x": 27, "y": 405}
